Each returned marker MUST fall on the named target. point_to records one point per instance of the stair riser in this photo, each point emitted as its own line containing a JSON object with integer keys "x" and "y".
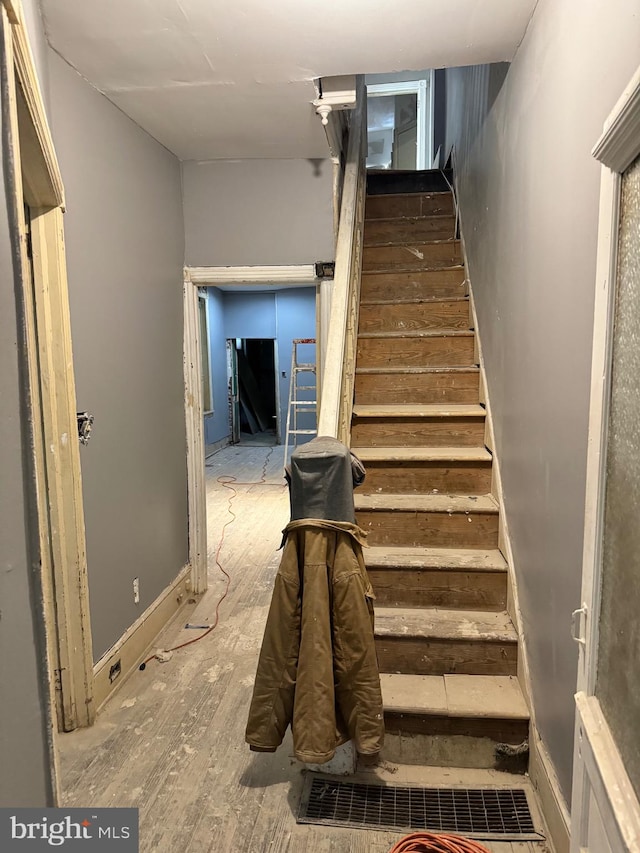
{"x": 417, "y": 388}
{"x": 404, "y": 746}
{"x": 386, "y": 206}
{"x": 450, "y": 589}
{"x": 430, "y": 529}
{"x": 434, "y": 656}
{"x": 454, "y": 351}
{"x": 415, "y": 317}
{"x": 421, "y": 256}
{"x": 398, "y": 231}
{"x": 413, "y": 285}
{"x": 466, "y": 478}
{"x": 417, "y": 432}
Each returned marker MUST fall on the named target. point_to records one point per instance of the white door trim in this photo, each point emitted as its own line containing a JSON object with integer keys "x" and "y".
{"x": 424, "y": 90}
{"x": 195, "y": 439}
{"x": 600, "y": 781}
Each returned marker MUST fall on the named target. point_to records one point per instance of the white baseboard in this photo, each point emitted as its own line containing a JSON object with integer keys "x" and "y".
{"x": 131, "y": 648}
{"x": 552, "y": 803}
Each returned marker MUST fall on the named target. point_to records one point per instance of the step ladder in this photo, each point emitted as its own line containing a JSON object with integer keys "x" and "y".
{"x": 298, "y": 406}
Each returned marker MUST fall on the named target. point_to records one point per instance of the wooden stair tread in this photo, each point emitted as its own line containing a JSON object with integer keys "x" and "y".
{"x": 420, "y": 333}
{"x": 444, "y": 267}
{"x": 433, "y": 410}
{"x": 412, "y": 218}
{"x": 417, "y": 370}
{"x": 416, "y": 300}
{"x": 441, "y": 624}
{"x": 442, "y": 241}
{"x": 422, "y": 454}
{"x": 428, "y": 193}
{"x": 484, "y": 696}
{"x": 427, "y": 503}
{"x": 477, "y": 560}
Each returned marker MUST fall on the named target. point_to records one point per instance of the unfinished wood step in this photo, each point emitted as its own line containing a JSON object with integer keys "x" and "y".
{"x": 390, "y": 286}
{"x": 417, "y": 385}
{"x": 417, "y": 426}
{"x": 438, "y": 577}
{"x": 416, "y": 316}
{"x": 429, "y": 521}
{"x": 408, "y": 204}
{"x": 453, "y": 720}
{"x": 421, "y": 349}
{"x": 406, "y": 470}
{"x": 435, "y": 641}
{"x": 415, "y": 256}
{"x": 396, "y": 232}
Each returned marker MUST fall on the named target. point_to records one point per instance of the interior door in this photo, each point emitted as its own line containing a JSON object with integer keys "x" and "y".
{"x": 605, "y": 814}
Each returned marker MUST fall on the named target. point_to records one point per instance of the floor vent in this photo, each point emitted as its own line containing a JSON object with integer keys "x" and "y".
{"x": 480, "y": 812}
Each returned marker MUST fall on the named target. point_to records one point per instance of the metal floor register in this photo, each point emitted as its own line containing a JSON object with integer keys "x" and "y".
{"x": 480, "y": 812}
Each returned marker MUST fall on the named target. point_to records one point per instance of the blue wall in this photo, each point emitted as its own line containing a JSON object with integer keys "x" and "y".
{"x": 216, "y": 426}
{"x": 282, "y": 315}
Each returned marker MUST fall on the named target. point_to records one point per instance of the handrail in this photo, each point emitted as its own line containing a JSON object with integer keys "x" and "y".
{"x": 338, "y": 373}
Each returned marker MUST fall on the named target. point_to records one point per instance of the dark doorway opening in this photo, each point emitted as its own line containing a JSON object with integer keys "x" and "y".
{"x": 255, "y": 407}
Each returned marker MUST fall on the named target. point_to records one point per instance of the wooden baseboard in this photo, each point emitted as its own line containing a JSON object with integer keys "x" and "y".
{"x": 552, "y": 803}
{"x": 114, "y": 667}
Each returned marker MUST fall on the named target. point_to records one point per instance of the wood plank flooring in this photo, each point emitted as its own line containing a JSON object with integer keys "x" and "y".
{"x": 171, "y": 741}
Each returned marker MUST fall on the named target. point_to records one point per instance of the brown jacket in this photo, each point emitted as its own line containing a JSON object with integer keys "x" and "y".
{"x": 317, "y": 668}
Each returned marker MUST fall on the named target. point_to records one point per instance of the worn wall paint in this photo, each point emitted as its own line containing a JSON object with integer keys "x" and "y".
{"x": 258, "y": 212}
{"x": 125, "y": 251}
{"x": 24, "y": 768}
{"x": 529, "y": 191}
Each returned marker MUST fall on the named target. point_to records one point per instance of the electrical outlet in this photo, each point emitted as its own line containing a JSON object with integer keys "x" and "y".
{"x": 136, "y": 590}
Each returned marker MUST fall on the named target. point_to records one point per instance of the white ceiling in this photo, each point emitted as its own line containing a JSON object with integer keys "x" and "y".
{"x": 227, "y": 80}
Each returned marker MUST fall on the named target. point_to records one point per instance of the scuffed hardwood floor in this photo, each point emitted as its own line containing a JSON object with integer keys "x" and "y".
{"x": 171, "y": 741}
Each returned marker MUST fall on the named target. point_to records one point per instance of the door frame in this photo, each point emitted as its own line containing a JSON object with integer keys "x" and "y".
{"x": 295, "y": 275}
{"x": 233, "y": 384}
{"x": 600, "y": 782}
{"x": 425, "y": 112}
{"x": 63, "y": 578}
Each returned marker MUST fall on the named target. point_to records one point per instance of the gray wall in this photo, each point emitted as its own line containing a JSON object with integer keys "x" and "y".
{"x": 125, "y": 252}
{"x": 25, "y": 773}
{"x": 529, "y": 199}
{"x": 250, "y": 212}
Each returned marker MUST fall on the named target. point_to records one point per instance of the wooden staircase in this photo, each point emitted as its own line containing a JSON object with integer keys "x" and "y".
{"x": 447, "y": 649}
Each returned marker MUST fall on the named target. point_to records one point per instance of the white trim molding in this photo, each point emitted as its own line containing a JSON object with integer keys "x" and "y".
{"x": 616, "y": 798}
{"x": 619, "y": 144}
{"x": 294, "y": 274}
{"x": 195, "y": 440}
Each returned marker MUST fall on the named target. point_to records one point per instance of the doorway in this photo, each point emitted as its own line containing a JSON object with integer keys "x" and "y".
{"x": 253, "y": 391}
{"x": 400, "y": 119}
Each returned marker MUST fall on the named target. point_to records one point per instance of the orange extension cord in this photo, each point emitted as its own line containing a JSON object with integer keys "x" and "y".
{"x": 427, "y": 842}
{"x": 229, "y": 482}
